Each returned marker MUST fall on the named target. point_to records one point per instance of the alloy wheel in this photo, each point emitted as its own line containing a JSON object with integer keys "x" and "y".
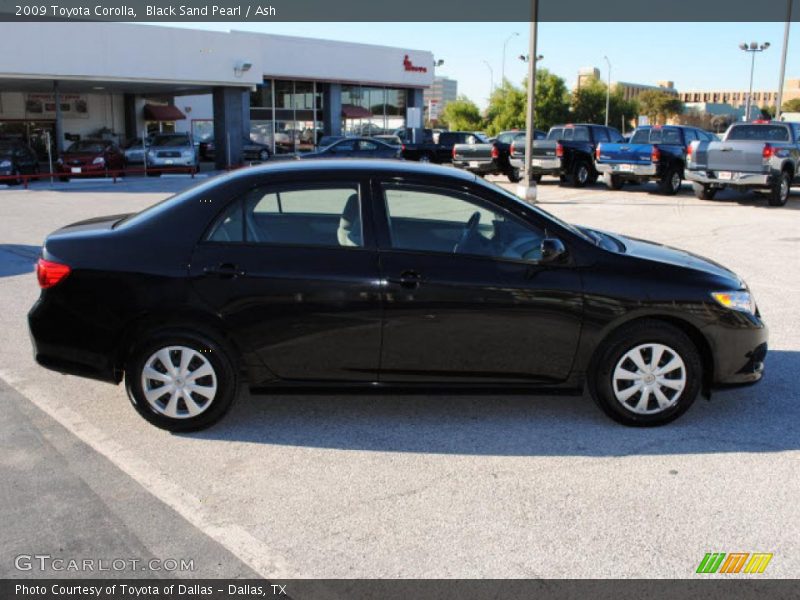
{"x": 649, "y": 379}
{"x": 179, "y": 382}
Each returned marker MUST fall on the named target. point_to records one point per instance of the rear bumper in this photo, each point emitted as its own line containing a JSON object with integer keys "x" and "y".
{"x": 627, "y": 170}
{"x": 543, "y": 166}
{"x": 477, "y": 166}
{"x": 738, "y": 179}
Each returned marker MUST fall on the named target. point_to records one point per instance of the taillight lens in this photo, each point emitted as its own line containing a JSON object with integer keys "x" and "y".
{"x": 454, "y": 152}
{"x": 559, "y": 149}
{"x": 513, "y": 149}
{"x": 689, "y": 152}
{"x": 495, "y": 152}
{"x": 655, "y": 154}
{"x": 768, "y": 151}
{"x": 402, "y": 148}
{"x": 597, "y": 152}
{"x": 50, "y": 273}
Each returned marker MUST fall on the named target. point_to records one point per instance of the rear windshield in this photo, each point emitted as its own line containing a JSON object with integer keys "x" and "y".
{"x": 578, "y": 134}
{"x": 759, "y": 133}
{"x": 656, "y": 136}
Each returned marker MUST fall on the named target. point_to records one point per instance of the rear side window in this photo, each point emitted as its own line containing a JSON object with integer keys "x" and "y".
{"x": 600, "y": 135}
{"x": 311, "y": 215}
{"x": 759, "y": 133}
{"x": 555, "y": 133}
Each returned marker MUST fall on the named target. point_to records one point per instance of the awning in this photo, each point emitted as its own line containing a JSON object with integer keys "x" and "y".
{"x": 162, "y": 112}
{"x": 351, "y": 111}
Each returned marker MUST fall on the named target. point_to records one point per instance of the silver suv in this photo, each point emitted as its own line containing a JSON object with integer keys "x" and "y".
{"x": 171, "y": 150}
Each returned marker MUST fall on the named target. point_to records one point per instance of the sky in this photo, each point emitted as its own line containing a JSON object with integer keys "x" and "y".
{"x": 695, "y": 56}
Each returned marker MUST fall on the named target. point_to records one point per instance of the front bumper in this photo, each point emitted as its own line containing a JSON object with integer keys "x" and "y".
{"x": 629, "y": 170}
{"x": 175, "y": 161}
{"x": 79, "y": 170}
{"x": 739, "y": 347}
{"x": 737, "y": 178}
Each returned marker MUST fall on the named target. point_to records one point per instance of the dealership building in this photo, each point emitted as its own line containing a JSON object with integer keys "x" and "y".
{"x": 120, "y": 81}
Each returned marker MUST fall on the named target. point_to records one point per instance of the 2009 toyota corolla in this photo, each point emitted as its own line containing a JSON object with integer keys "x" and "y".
{"x": 354, "y": 274}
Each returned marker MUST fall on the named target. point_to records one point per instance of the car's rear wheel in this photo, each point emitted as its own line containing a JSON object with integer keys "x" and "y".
{"x": 514, "y": 175}
{"x": 704, "y": 192}
{"x": 646, "y": 374}
{"x": 779, "y": 194}
{"x": 536, "y": 178}
{"x": 425, "y": 158}
{"x": 181, "y": 380}
{"x": 670, "y": 183}
{"x": 580, "y": 174}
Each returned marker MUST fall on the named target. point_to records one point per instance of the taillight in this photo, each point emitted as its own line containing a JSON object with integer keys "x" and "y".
{"x": 597, "y": 152}
{"x": 513, "y": 149}
{"x": 402, "y": 147}
{"x": 768, "y": 152}
{"x": 454, "y": 152}
{"x": 655, "y": 154}
{"x": 689, "y": 152}
{"x": 559, "y": 149}
{"x": 495, "y": 152}
{"x": 50, "y": 273}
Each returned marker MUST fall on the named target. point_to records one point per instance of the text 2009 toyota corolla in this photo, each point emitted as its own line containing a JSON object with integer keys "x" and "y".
{"x": 348, "y": 274}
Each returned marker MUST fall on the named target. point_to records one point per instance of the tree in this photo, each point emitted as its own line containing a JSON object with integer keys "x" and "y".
{"x": 508, "y": 104}
{"x": 589, "y": 104}
{"x": 767, "y": 112}
{"x": 792, "y": 105}
{"x": 659, "y": 106}
{"x": 462, "y": 114}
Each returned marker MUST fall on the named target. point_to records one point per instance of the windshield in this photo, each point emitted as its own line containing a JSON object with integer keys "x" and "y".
{"x": 171, "y": 140}
{"x": 656, "y": 136}
{"x": 759, "y": 133}
{"x": 87, "y": 146}
{"x": 555, "y": 133}
{"x": 578, "y": 134}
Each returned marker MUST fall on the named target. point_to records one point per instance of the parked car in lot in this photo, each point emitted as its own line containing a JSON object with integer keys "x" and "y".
{"x": 388, "y": 138}
{"x": 440, "y": 151}
{"x": 251, "y": 150}
{"x": 366, "y": 274}
{"x": 761, "y": 156}
{"x": 653, "y": 153}
{"x": 134, "y": 150}
{"x": 16, "y": 159}
{"x": 171, "y": 150}
{"x": 491, "y": 157}
{"x": 568, "y": 152}
{"x": 355, "y": 147}
{"x": 89, "y": 158}
{"x": 516, "y": 151}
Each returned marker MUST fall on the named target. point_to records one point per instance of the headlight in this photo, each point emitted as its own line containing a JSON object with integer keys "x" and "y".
{"x": 151, "y": 154}
{"x": 99, "y": 161}
{"x": 740, "y": 300}
{"x": 5, "y": 163}
{"x": 188, "y": 154}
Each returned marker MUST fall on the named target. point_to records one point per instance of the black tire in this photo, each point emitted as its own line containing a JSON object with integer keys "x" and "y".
{"x": 215, "y": 352}
{"x": 670, "y": 183}
{"x": 614, "y": 182}
{"x": 628, "y": 338}
{"x": 425, "y": 158}
{"x": 704, "y": 192}
{"x": 562, "y": 179}
{"x": 780, "y": 190}
{"x": 536, "y": 178}
{"x": 62, "y": 178}
{"x": 514, "y": 175}
{"x": 263, "y": 156}
{"x": 580, "y": 174}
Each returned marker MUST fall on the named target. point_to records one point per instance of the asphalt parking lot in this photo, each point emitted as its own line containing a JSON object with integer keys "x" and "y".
{"x": 434, "y": 486}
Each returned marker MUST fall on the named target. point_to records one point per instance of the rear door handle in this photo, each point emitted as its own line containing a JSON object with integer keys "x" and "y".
{"x": 225, "y": 270}
{"x": 407, "y": 279}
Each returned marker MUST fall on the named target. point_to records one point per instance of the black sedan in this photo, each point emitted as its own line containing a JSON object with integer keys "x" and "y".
{"x": 356, "y": 147}
{"x": 16, "y": 159}
{"x": 362, "y": 274}
{"x": 251, "y": 150}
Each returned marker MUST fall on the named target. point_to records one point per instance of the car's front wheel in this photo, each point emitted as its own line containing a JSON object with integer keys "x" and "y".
{"x": 647, "y": 373}
{"x": 514, "y": 175}
{"x": 180, "y": 380}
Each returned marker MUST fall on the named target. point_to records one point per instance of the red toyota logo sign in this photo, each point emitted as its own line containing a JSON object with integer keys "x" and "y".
{"x": 409, "y": 66}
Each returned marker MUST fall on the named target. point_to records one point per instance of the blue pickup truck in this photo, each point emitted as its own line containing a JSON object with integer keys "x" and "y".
{"x": 653, "y": 153}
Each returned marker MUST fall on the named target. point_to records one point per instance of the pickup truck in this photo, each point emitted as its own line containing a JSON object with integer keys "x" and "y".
{"x": 492, "y": 157}
{"x": 759, "y": 155}
{"x": 653, "y": 153}
{"x": 440, "y": 151}
{"x": 568, "y": 152}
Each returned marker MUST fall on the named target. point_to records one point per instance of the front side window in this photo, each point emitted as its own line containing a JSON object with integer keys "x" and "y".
{"x": 312, "y": 215}
{"x": 427, "y": 219}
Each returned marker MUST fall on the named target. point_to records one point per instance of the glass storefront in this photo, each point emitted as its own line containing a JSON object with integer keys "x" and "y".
{"x": 288, "y": 115}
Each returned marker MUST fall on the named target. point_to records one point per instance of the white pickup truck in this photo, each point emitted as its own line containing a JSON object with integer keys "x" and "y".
{"x": 760, "y": 155}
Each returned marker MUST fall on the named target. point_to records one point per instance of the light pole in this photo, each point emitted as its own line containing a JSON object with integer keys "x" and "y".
{"x": 783, "y": 58}
{"x": 527, "y": 190}
{"x": 503, "y": 68}
{"x": 491, "y": 77}
{"x": 608, "y": 88}
{"x": 752, "y": 48}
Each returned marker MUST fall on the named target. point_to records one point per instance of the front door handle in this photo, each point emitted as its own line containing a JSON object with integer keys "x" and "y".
{"x": 407, "y": 279}
{"x": 225, "y": 270}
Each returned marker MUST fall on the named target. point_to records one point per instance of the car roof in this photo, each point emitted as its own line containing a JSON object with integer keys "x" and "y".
{"x": 355, "y": 164}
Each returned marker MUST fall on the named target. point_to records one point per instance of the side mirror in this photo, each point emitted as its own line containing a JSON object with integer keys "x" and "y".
{"x": 553, "y": 249}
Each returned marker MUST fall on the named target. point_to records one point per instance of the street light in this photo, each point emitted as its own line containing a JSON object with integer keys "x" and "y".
{"x": 508, "y": 39}
{"x": 491, "y": 76}
{"x": 752, "y": 48}
{"x": 524, "y": 57}
{"x": 608, "y": 88}
{"x": 438, "y": 63}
